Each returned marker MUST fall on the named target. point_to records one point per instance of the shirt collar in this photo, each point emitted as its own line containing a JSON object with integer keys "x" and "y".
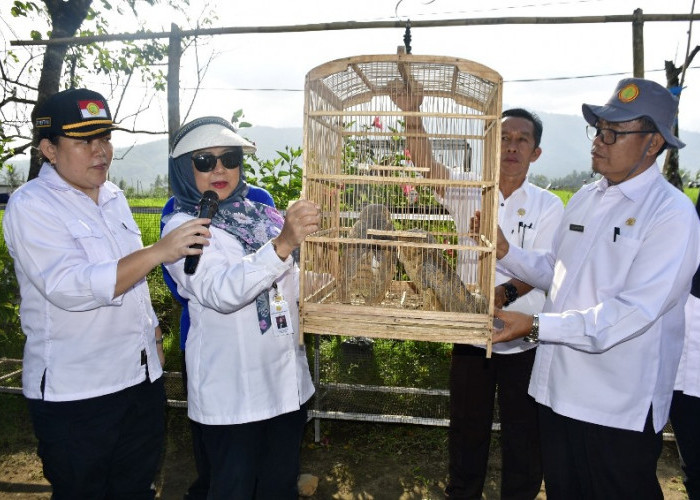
{"x": 635, "y": 188}
{"x": 522, "y": 191}
{"x": 48, "y": 174}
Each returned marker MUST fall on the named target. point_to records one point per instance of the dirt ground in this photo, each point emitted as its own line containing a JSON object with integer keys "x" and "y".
{"x": 353, "y": 461}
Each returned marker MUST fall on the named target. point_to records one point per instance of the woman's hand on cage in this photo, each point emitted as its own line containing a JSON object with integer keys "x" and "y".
{"x": 303, "y": 218}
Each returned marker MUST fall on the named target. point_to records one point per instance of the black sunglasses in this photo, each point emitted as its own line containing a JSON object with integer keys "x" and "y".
{"x": 206, "y": 162}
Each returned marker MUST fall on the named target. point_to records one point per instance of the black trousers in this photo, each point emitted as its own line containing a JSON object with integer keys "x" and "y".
{"x": 474, "y": 383}
{"x": 103, "y": 448}
{"x": 256, "y": 460}
{"x": 685, "y": 418}
{"x": 589, "y": 461}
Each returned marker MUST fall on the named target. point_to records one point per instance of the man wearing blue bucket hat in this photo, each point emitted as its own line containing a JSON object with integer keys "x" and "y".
{"x": 611, "y": 331}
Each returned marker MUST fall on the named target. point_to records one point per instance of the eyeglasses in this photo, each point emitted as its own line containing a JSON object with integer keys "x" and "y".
{"x": 206, "y": 162}
{"x": 609, "y": 136}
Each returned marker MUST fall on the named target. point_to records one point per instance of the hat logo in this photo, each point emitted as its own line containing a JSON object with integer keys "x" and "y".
{"x": 91, "y": 109}
{"x": 43, "y": 122}
{"x": 628, "y": 93}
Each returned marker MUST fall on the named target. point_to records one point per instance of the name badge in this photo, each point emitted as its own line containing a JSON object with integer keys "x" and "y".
{"x": 279, "y": 314}
{"x": 576, "y": 227}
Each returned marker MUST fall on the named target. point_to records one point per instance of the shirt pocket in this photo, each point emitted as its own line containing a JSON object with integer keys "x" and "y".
{"x": 133, "y": 235}
{"x": 527, "y": 236}
{"x": 615, "y": 259}
{"x": 90, "y": 239}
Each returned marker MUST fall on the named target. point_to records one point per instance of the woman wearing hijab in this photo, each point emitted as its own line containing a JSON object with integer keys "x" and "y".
{"x": 248, "y": 377}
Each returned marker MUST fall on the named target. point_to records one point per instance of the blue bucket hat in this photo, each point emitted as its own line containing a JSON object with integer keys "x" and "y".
{"x": 637, "y": 98}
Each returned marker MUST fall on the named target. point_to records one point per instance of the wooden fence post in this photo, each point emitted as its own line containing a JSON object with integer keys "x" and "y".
{"x": 638, "y": 44}
{"x": 174, "y": 55}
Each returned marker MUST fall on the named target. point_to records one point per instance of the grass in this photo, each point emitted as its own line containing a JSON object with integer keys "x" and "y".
{"x": 147, "y": 202}
{"x": 564, "y": 195}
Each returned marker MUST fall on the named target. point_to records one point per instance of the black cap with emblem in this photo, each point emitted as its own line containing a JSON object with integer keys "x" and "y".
{"x": 75, "y": 113}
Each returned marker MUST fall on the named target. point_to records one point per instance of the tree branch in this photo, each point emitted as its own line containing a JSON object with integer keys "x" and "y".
{"x": 15, "y": 151}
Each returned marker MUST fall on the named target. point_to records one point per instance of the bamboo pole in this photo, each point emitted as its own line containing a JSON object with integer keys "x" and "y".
{"x": 353, "y": 25}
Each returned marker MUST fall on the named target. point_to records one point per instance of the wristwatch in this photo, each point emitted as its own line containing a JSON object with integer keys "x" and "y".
{"x": 511, "y": 293}
{"x": 534, "y": 335}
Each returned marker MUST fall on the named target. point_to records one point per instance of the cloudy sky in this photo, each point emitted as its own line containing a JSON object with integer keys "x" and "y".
{"x": 546, "y": 68}
{"x": 541, "y": 65}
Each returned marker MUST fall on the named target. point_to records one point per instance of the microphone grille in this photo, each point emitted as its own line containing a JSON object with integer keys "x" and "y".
{"x": 210, "y": 196}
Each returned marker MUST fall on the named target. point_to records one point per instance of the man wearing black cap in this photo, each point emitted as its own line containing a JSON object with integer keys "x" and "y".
{"x": 611, "y": 331}
{"x": 93, "y": 357}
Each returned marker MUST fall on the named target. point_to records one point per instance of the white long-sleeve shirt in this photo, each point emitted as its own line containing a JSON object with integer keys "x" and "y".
{"x": 529, "y": 218}
{"x": 688, "y": 376}
{"x": 612, "y": 328}
{"x": 235, "y": 374}
{"x": 80, "y": 340}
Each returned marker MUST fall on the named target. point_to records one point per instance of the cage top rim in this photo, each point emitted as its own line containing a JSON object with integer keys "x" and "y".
{"x": 333, "y": 66}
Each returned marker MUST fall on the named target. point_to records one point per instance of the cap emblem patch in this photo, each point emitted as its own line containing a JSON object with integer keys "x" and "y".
{"x": 92, "y": 109}
{"x": 628, "y": 93}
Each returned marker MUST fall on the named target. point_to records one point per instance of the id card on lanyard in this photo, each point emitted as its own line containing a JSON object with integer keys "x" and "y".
{"x": 279, "y": 313}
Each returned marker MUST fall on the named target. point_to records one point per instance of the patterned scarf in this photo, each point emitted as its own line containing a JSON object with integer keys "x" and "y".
{"x": 252, "y": 224}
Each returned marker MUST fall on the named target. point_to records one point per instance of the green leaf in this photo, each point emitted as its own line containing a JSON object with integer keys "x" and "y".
{"x": 237, "y": 115}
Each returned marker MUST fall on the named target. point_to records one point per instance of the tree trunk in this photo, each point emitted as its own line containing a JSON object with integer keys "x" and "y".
{"x": 66, "y": 18}
{"x": 671, "y": 168}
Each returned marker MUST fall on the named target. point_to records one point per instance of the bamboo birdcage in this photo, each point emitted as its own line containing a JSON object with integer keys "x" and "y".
{"x": 388, "y": 258}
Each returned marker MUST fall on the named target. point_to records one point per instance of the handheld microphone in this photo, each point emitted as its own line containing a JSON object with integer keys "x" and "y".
{"x": 208, "y": 206}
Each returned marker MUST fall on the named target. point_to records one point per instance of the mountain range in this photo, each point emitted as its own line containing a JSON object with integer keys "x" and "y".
{"x": 565, "y": 149}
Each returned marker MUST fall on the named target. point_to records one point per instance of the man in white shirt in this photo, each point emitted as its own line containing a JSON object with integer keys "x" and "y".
{"x": 530, "y": 215}
{"x": 611, "y": 332}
